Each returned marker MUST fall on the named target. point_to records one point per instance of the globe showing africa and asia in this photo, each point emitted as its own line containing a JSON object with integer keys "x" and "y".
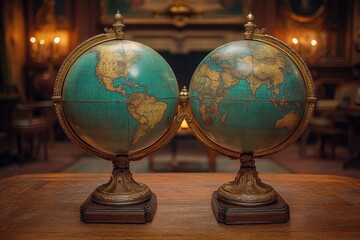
{"x": 248, "y": 97}
{"x": 119, "y": 97}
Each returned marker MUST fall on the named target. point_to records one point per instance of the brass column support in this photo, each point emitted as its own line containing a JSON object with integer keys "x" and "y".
{"x": 247, "y": 189}
{"x": 121, "y": 188}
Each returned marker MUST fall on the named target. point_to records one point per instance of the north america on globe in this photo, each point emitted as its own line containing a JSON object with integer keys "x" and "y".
{"x": 120, "y": 96}
{"x": 144, "y": 108}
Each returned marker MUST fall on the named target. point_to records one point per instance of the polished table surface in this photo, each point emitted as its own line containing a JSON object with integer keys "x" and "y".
{"x": 46, "y": 206}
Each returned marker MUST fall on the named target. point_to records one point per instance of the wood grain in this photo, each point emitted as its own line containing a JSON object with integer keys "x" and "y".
{"x": 46, "y": 206}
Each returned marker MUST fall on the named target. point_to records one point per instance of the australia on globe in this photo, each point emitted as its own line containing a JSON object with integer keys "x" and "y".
{"x": 248, "y": 96}
{"x": 120, "y": 96}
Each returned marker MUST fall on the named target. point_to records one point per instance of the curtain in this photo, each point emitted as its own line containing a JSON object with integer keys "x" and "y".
{"x": 13, "y": 39}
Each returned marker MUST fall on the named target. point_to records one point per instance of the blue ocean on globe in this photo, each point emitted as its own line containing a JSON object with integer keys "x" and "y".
{"x": 120, "y": 96}
{"x": 248, "y": 96}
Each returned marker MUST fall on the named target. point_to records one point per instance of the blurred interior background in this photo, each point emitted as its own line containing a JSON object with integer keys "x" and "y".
{"x": 37, "y": 35}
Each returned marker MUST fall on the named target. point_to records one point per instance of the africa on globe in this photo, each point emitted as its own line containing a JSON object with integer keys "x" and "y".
{"x": 248, "y": 96}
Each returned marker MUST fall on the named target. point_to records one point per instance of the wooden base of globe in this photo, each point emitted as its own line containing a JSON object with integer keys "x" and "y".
{"x": 229, "y": 213}
{"x": 247, "y": 200}
{"x": 120, "y": 200}
{"x": 92, "y": 212}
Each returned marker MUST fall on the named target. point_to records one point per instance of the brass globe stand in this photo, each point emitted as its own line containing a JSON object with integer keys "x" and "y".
{"x": 121, "y": 199}
{"x": 246, "y": 199}
{"x": 121, "y": 188}
{"x": 247, "y": 189}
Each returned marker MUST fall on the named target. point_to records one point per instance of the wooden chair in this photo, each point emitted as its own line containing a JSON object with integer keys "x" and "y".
{"x": 31, "y": 125}
{"x": 7, "y": 105}
{"x": 325, "y": 130}
{"x": 329, "y": 122}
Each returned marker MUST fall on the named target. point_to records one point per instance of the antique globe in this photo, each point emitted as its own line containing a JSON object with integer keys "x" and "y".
{"x": 117, "y": 99}
{"x": 250, "y": 98}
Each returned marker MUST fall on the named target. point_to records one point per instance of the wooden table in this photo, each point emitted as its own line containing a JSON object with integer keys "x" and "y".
{"x": 46, "y": 206}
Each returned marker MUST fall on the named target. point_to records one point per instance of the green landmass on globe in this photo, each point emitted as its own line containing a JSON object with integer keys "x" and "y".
{"x": 120, "y": 96}
{"x": 247, "y": 96}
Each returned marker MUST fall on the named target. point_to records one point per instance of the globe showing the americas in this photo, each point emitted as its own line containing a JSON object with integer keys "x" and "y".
{"x": 119, "y": 96}
{"x": 248, "y": 96}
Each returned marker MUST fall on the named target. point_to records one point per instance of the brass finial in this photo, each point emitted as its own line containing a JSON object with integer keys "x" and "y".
{"x": 250, "y": 27}
{"x": 250, "y": 17}
{"x": 184, "y": 95}
{"x": 117, "y": 27}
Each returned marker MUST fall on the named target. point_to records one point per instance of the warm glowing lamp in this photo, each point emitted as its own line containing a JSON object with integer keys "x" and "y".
{"x": 295, "y": 41}
{"x": 313, "y": 42}
{"x": 57, "y": 40}
{"x": 184, "y": 125}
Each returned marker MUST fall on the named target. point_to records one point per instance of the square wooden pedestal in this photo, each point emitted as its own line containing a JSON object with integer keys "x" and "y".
{"x": 132, "y": 213}
{"x": 227, "y": 213}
